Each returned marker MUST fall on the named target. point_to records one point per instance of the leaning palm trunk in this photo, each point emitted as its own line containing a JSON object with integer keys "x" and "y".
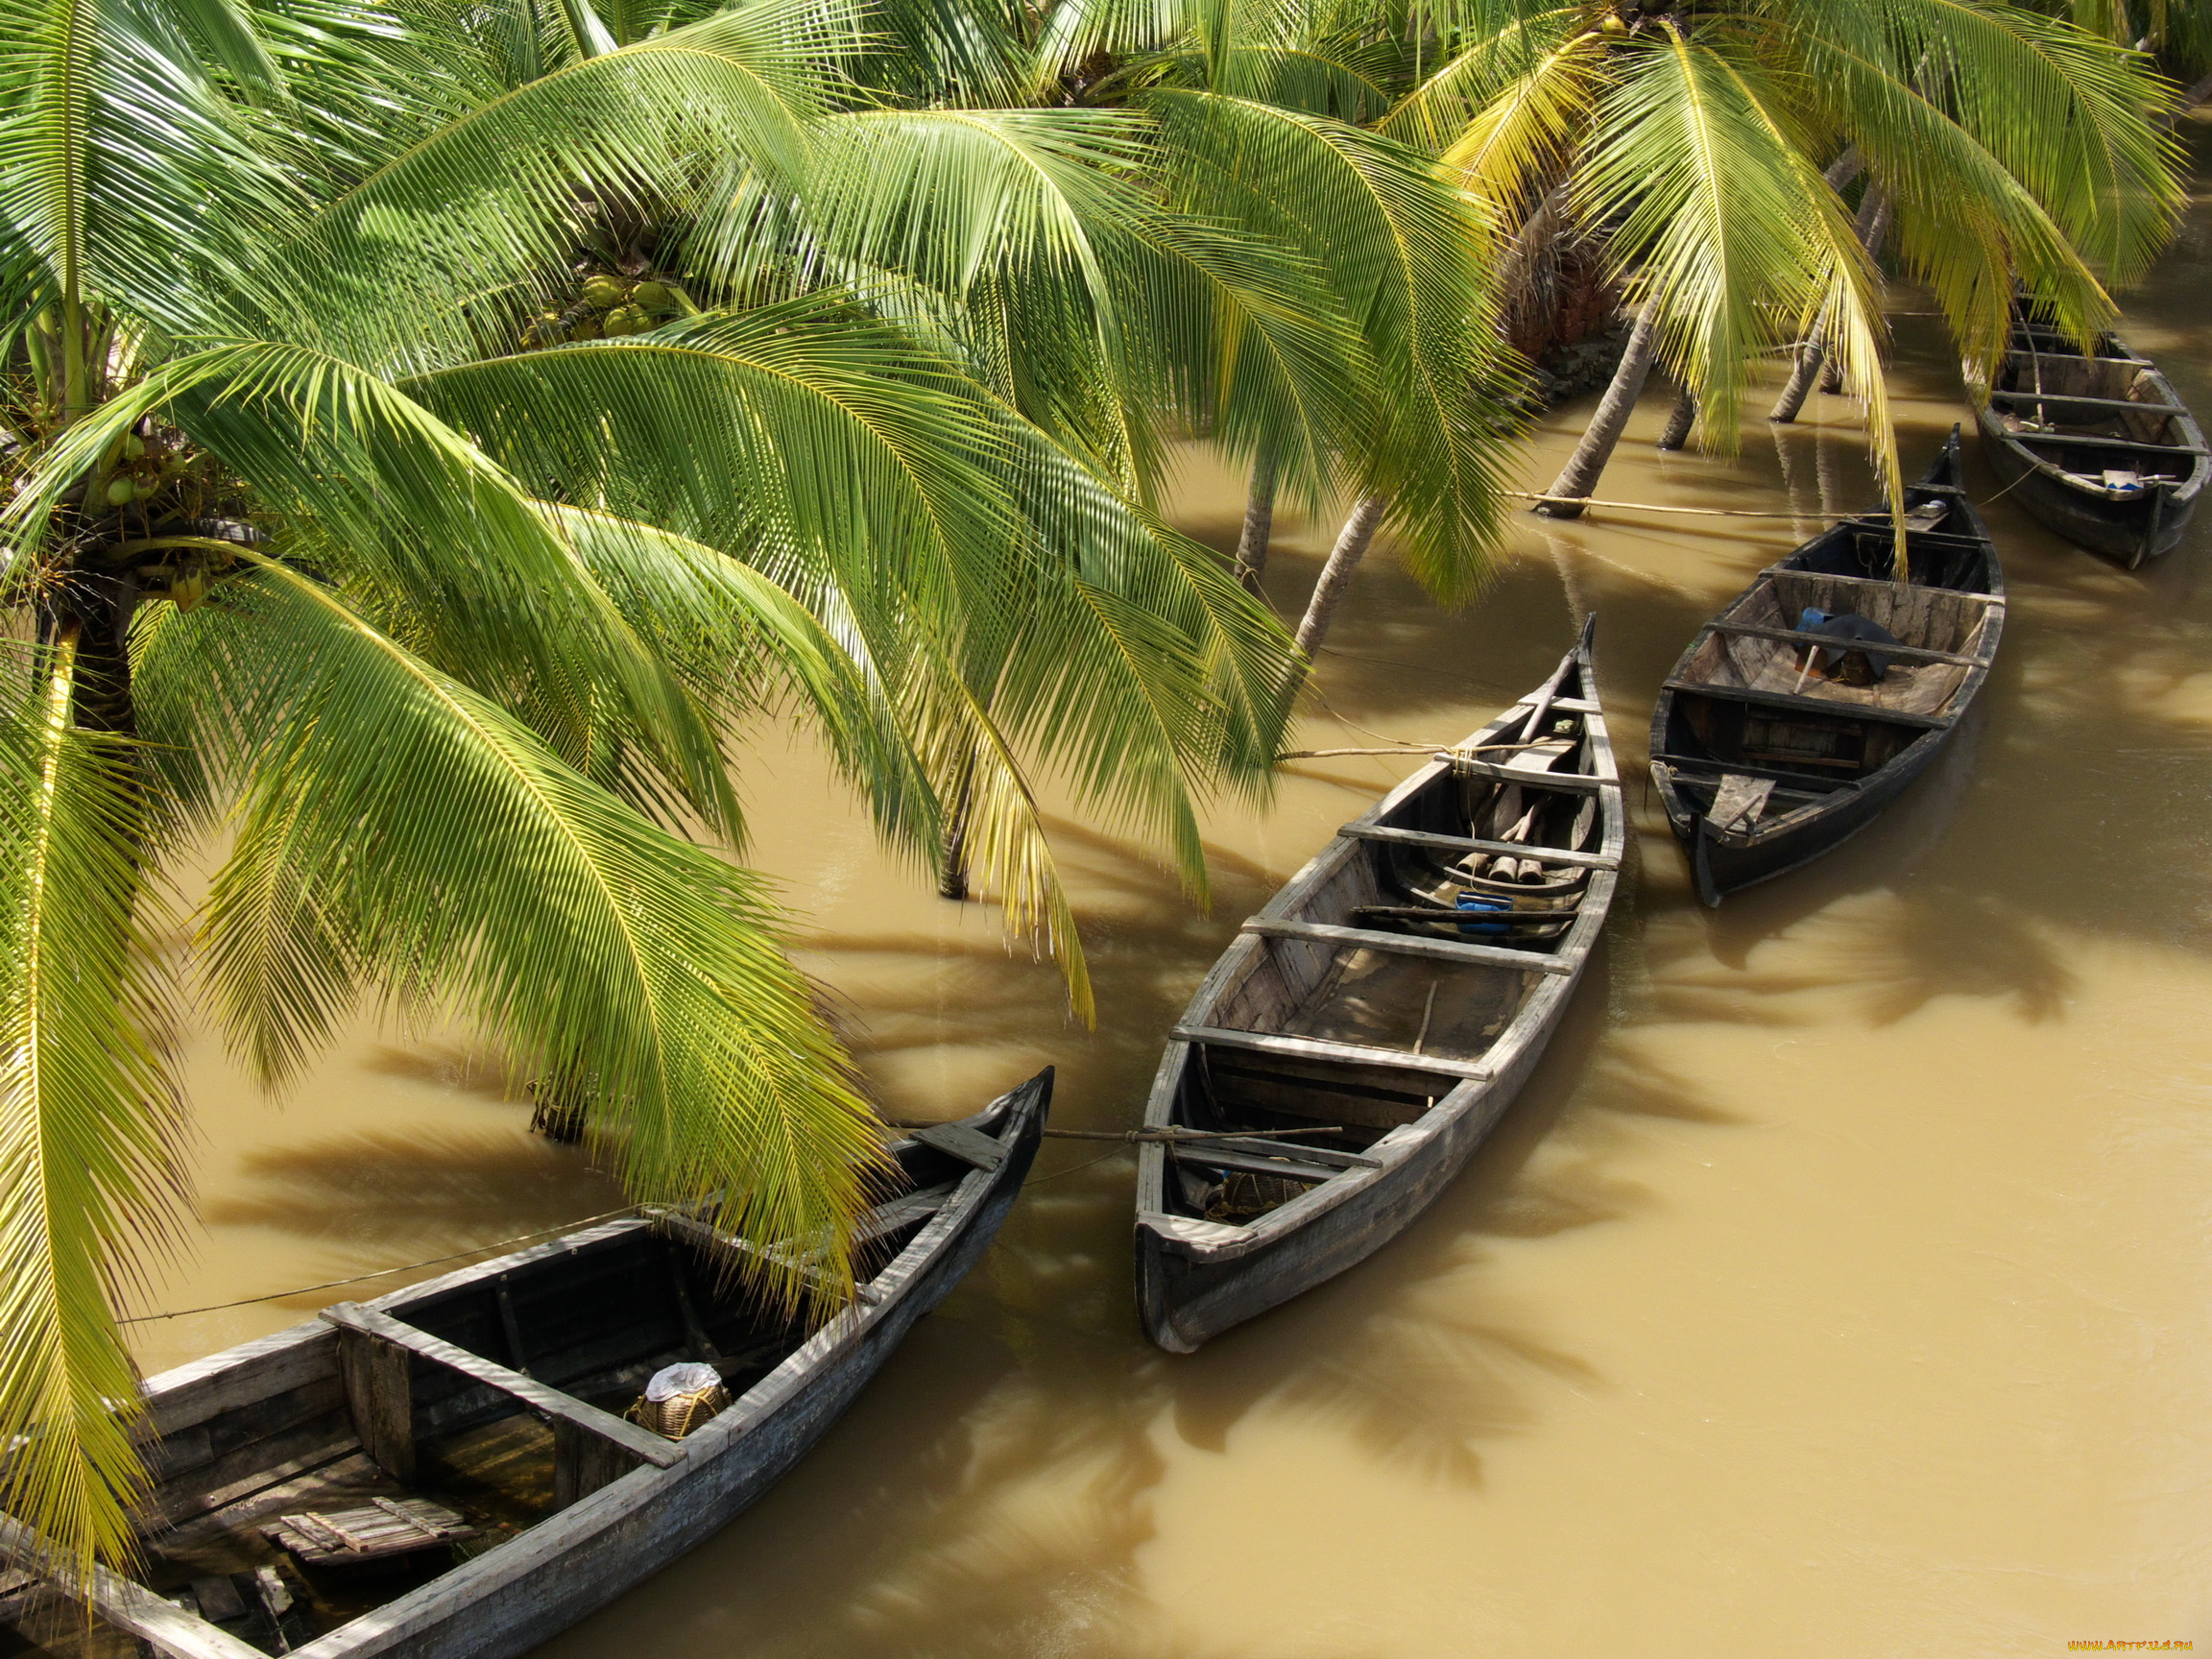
{"x": 1680, "y": 423}
{"x": 1259, "y": 522}
{"x": 952, "y": 880}
{"x": 1580, "y": 476}
{"x": 1872, "y": 226}
{"x": 1352, "y": 543}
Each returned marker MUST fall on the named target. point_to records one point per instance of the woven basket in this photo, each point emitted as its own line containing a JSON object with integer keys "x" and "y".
{"x": 679, "y": 1414}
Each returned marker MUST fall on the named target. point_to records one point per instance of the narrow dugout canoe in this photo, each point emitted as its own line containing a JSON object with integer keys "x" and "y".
{"x": 490, "y": 1396}
{"x": 1365, "y": 1001}
{"x": 1763, "y": 765}
{"x": 2101, "y": 448}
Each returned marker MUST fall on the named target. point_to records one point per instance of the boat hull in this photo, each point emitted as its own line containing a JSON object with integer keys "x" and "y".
{"x": 1725, "y": 861}
{"x": 2130, "y": 531}
{"x": 1722, "y": 863}
{"x": 599, "y": 1549}
{"x": 281, "y": 1404}
{"x": 1188, "y": 1299}
{"x": 1197, "y": 1278}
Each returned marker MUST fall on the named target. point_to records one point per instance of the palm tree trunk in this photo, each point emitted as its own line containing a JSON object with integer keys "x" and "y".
{"x": 1873, "y": 231}
{"x": 1873, "y": 226}
{"x": 1336, "y": 575}
{"x": 1680, "y": 423}
{"x": 1580, "y": 476}
{"x": 1259, "y": 522}
{"x": 1840, "y": 174}
{"x": 952, "y": 880}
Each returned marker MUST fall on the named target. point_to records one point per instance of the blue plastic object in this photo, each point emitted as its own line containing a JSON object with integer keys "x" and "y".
{"x": 1481, "y": 904}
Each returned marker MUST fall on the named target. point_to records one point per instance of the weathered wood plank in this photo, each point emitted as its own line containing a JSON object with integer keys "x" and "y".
{"x": 1566, "y": 705}
{"x": 697, "y": 1231}
{"x": 2131, "y": 407}
{"x": 1407, "y": 945}
{"x": 583, "y": 1462}
{"x": 352, "y": 1317}
{"x": 2132, "y": 446}
{"x": 1804, "y": 705}
{"x": 969, "y": 1145}
{"x": 1576, "y": 783}
{"x": 1245, "y": 1164}
{"x": 1317, "y": 1048}
{"x": 1799, "y": 635}
{"x": 121, "y": 1601}
{"x": 1328, "y": 1155}
{"x": 380, "y": 1396}
{"x": 1472, "y": 844}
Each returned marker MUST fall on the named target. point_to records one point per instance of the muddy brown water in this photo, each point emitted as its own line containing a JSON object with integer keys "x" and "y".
{"x": 1838, "y": 1287}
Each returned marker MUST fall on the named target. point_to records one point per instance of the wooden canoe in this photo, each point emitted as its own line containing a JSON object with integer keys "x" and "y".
{"x": 2101, "y": 448}
{"x": 1762, "y": 766}
{"x": 495, "y": 1393}
{"x": 1361, "y": 1002}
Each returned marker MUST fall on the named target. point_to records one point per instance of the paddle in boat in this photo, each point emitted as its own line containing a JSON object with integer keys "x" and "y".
{"x": 463, "y": 1468}
{"x": 1803, "y": 709}
{"x": 1372, "y": 1022}
{"x": 2099, "y": 449}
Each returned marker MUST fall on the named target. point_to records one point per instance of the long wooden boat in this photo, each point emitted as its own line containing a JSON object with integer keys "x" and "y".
{"x": 2101, "y": 448}
{"x": 484, "y": 1409}
{"x": 1765, "y": 761}
{"x": 1370, "y": 1025}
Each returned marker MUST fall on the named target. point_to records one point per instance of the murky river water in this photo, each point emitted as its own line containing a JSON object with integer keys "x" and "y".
{"x": 1838, "y": 1287}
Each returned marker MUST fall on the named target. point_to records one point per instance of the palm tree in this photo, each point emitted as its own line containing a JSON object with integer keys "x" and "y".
{"x": 424, "y": 446}
{"x": 1693, "y": 137}
{"x": 1258, "y": 119}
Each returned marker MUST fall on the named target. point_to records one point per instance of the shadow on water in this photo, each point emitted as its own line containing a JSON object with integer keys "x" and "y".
{"x": 368, "y": 1192}
{"x": 991, "y": 1493}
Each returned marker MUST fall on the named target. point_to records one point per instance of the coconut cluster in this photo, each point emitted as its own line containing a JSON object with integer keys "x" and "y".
{"x": 607, "y": 305}
{"x": 145, "y": 467}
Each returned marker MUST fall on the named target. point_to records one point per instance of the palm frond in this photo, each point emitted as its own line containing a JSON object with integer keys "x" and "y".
{"x": 88, "y": 1172}
{"x": 419, "y": 838}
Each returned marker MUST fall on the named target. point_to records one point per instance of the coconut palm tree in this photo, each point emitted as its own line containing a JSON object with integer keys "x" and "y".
{"x": 1693, "y": 137}
{"x": 1250, "y": 124}
{"x": 426, "y": 438}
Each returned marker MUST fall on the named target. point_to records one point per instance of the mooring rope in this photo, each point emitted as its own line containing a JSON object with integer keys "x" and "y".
{"x": 381, "y": 1272}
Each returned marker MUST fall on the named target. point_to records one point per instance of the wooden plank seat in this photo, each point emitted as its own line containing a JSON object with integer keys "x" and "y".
{"x": 377, "y": 1530}
{"x": 2125, "y": 404}
{"x": 693, "y": 1230}
{"x": 1260, "y": 1147}
{"x": 2090, "y": 441}
{"x": 1576, "y": 781}
{"x": 1803, "y": 704}
{"x": 1409, "y": 945}
{"x": 1474, "y": 844}
{"x": 888, "y": 1217}
{"x": 1285, "y": 1047}
{"x": 969, "y": 1145}
{"x": 1452, "y": 917}
{"x": 592, "y": 1448}
{"x": 1245, "y": 1164}
{"x": 1688, "y": 767}
{"x": 1802, "y": 637}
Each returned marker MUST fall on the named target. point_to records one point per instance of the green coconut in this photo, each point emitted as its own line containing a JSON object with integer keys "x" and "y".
{"x": 587, "y": 329}
{"x": 133, "y": 446}
{"x": 627, "y": 320}
{"x": 121, "y": 491}
{"x": 655, "y": 297}
{"x": 604, "y": 291}
{"x": 1613, "y": 25}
